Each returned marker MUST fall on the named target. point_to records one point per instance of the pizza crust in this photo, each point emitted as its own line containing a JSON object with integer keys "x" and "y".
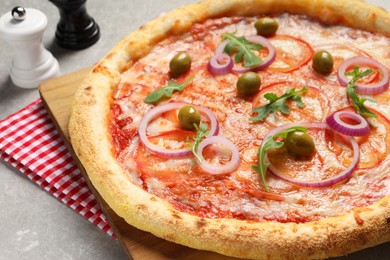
{"x": 88, "y": 127}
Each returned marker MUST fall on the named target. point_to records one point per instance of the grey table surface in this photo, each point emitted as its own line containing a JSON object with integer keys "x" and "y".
{"x": 33, "y": 224}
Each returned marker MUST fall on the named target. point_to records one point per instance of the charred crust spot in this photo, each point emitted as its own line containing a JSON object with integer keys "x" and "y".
{"x": 90, "y": 98}
{"x": 201, "y": 223}
{"x": 102, "y": 70}
{"x": 295, "y": 229}
{"x": 109, "y": 56}
{"x": 169, "y": 237}
{"x": 88, "y": 88}
{"x": 141, "y": 207}
{"x": 388, "y": 220}
{"x": 280, "y": 232}
{"x": 175, "y": 215}
{"x": 317, "y": 227}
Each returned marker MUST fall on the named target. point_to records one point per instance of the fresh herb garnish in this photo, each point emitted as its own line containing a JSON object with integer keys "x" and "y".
{"x": 166, "y": 91}
{"x": 201, "y": 133}
{"x": 278, "y": 103}
{"x": 243, "y": 49}
{"x": 358, "y": 102}
{"x": 270, "y": 143}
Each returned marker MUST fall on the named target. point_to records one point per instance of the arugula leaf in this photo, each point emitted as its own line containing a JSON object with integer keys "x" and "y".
{"x": 358, "y": 102}
{"x": 244, "y": 48}
{"x": 201, "y": 133}
{"x": 166, "y": 91}
{"x": 270, "y": 143}
{"x": 278, "y": 103}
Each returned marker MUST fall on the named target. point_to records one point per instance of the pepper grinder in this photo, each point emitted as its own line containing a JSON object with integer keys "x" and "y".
{"x": 32, "y": 64}
{"x": 76, "y": 29}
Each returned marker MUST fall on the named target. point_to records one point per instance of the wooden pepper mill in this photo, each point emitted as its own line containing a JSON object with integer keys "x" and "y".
{"x": 32, "y": 64}
{"x": 76, "y": 29}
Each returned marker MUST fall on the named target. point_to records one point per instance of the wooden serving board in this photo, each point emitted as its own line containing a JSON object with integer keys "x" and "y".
{"x": 57, "y": 95}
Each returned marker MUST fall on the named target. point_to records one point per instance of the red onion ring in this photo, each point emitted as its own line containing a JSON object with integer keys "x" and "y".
{"x": 343, "y": 175}
{"x": 221, "y": 47}
{"x": 362, "y": 88}
{"x": 335, "y": 122}
{"x": 158, "y": 110}
{"x": 226, "y": 168}
{"x": 220, "y": 64}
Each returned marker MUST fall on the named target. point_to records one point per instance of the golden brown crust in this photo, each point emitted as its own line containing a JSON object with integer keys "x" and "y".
{"x": 357, "y": 229}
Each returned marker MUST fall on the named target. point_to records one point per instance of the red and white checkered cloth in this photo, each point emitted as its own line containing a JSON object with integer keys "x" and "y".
{"x": 30, "y": 142}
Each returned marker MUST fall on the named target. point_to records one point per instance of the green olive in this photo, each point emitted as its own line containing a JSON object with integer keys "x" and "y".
{"x": 188, "y": 116}
{"x": 248, "y": 84}
{"x": 266, "y": 26}
{"x": 323, "y": 62}
{"x": 180, "y": 63}
{"x": 299, "y": 143}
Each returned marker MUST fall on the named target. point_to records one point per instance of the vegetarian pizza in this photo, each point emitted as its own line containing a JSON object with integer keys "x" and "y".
{"x": 255, "y": 129}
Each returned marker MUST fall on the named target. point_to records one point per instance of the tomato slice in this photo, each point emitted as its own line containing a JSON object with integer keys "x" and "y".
{"x": 373, "y": 77}
{"x": 150, "y": 164}
{"x": 339, "y": 54}
{"x": 120, "y": 131}
{"x": 176, "y": 138}
{"x": 323, "y": 164}
{"x": 122, "y": 137}
{"x": 315, "y": 109}
{"x": 375, "y": 147}
{"x": 291, "y": 53}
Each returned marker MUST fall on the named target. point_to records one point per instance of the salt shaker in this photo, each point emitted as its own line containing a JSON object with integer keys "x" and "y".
{"x": 32, "y": 64}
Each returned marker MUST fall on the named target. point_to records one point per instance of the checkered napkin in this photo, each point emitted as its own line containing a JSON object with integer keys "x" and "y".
{"x": 30, "y": 142}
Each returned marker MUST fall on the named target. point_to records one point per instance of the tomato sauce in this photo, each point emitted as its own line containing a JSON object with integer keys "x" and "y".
{"x": 240, "y": 194}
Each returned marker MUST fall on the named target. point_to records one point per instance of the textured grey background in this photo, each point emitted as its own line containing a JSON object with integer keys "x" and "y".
{"x": 33, "y": 224}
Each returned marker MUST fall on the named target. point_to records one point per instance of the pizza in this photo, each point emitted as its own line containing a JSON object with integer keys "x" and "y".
{"x": 255, "y": 129}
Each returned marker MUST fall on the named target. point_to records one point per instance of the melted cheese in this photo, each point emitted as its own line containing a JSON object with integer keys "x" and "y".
{"x": 240, "y": 194}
